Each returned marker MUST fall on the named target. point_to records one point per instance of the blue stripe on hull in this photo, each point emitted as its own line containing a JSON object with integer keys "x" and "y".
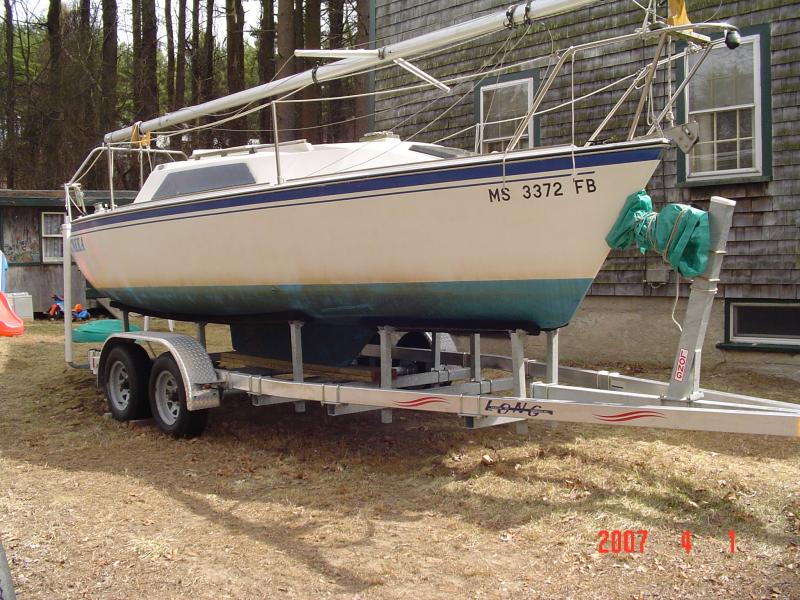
{"x": 423, "y": 174}
{"x": 548, "y": 302}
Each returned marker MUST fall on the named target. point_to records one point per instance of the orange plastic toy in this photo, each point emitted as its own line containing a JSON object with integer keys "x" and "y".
{"x": 10, "y": 323}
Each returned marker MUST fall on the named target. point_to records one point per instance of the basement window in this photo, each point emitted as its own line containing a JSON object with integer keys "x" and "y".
{"x": 759, "y": 324}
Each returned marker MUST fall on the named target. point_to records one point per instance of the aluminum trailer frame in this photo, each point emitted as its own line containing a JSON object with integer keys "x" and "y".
{"x": 541, "y": 391}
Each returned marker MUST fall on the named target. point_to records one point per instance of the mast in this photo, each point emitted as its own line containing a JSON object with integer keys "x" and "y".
{"x": 516, "y": 14}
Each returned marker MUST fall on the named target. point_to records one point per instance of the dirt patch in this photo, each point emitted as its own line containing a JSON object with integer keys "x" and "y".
{"x": 271, "y": 504}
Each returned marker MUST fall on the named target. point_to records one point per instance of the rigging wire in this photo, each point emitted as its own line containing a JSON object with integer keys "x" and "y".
{"x": 503, "y": 47}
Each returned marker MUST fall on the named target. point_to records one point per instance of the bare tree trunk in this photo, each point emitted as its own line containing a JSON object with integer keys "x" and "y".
{"x": 207, "y": 80}
{"x": 234, "y": 21}
{"x": 53, "y": 139}
{"x": 286, "y": 66}
{"x": 108, "y": 70}
{"x": 170, "y": 83}
{"x": 11, "y": 117}
{"x": 85, "y": 18}
{"x": 136, "y": 80}
{"x": 310, "y": 111}
{"x": 149, "y": 62}
{"x": 180, "y": 76}
{"x": 266, "y": 58}
{"x": 196, "y": 72}
{"x": 335, "y": 40}
{"x": 362, "y": 104}
{"x": 298, "y": 31}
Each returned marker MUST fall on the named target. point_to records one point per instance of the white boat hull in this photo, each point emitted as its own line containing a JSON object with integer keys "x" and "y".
{"x": 466, "y": 239}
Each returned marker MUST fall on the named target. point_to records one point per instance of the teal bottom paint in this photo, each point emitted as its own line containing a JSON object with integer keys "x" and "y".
{"x": 548, "y": 302}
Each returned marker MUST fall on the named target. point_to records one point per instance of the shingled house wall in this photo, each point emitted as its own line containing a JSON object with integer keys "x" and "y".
{"x": 764, "y": 249}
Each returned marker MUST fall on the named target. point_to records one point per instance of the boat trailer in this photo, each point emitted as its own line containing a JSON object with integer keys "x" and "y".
{"x": 451, "y": 381}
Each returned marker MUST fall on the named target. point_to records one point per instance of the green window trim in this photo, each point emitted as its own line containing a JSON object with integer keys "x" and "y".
{"x": 765, "y": 91}
{"x": 528, "y": 74}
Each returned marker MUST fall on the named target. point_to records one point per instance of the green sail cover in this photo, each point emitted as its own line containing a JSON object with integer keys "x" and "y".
{"x": 679, "y": 233}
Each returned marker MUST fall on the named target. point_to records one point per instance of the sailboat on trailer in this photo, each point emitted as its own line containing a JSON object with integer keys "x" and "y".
{"x": 378, "y": 232}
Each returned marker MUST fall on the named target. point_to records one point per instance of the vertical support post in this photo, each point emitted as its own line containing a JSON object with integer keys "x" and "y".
{"x": 201, "y": 333}
{"x": 684, "y": 384}
{"x": 275, "y": 140}
{"x": 385, "y": 335}
{"x": 436, "y": 350}
{"x": 518, "y": 362}
{"x": 475, "y": 356}
{"x": 518, "y": 372}
{"x": 111, "y": 177}
{"x": 141, "y": 167}
{"x": 126, "y": 321}
{"x": 552, "y": 356}
{"x": 297, "y": 350}
{"x": 66, "y": 230}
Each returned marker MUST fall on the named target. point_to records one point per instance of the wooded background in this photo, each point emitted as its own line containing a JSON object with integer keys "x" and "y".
{"x": 74, "y": 73}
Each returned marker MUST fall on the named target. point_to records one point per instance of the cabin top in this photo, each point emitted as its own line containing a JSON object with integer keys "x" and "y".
{"x": 255, "y": 165}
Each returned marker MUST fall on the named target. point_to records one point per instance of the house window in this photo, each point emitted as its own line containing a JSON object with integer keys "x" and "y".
{"x": 52, "y": 242}
{"x": 502, "y": 106}
{"x": 762, "y": 323}
{"x": 727, "y": 99}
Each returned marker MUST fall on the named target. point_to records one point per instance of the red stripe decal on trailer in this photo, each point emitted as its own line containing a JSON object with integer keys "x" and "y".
{"x": 420, "y": 401}
{"x": 630, "y": 416}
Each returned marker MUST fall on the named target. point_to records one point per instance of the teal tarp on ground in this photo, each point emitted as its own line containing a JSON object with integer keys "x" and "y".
{"x": 679, "y": 233}
{"x": 98, "y": 331}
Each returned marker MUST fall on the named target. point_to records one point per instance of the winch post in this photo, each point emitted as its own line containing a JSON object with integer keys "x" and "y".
{"x": 684, "y": 383}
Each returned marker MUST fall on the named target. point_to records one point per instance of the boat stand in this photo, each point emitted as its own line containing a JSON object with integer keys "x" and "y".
{"x": 454, "y": 382}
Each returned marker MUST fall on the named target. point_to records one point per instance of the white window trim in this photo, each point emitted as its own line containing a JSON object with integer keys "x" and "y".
{"x": 757, "y": 168}
{"x": 486, "y": 88}
{"x": 751, "y": 339}
{"x": 51, "y": 259}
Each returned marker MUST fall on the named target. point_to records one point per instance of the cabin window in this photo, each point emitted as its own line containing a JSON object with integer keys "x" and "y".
{"x": 204, "y": 179}
{"x": 726, "y": 98}
{"x": 502, "y": 105}
{"x": 52, "y": 241}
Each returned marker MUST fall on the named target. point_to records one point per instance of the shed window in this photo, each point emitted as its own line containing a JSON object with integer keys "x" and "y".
{"x": 725, "y": 97}
{"x": 503, "y": 106}
{"x": 52, "y": 242}
{"x": 204, "y": 179}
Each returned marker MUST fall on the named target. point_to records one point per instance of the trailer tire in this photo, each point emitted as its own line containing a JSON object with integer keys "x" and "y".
{"x": 125, "y": 377}
{"x": 168, "y": 401}
{"x": 6, "y": 584}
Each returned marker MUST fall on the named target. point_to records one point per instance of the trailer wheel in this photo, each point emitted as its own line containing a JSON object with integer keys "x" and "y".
{"x": 125, "y": 377}
{"x": 168, "y": 401}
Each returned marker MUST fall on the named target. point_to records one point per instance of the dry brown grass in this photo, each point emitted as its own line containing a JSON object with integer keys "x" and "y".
{"x": 269, "y": 504}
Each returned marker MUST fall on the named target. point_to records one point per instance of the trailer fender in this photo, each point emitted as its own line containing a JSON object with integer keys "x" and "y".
{"x": 197, "y": 371}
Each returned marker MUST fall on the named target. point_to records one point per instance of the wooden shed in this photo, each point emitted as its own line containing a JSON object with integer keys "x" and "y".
{"x": 746, "y": 102}
{"x": 30, "y": 237}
